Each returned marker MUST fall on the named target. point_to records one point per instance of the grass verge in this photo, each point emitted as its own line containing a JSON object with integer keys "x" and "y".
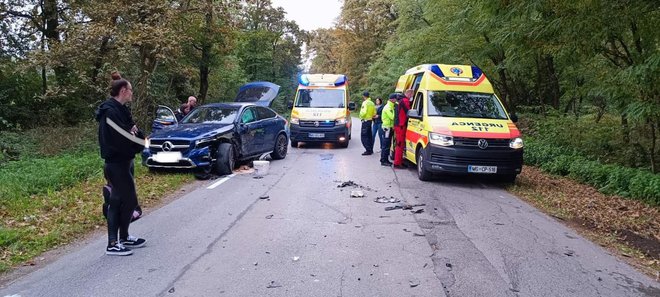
{"x": 630, "y": 228}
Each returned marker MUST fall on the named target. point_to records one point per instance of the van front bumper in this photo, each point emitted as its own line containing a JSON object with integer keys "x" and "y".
{"x": 318, "y": 134}
{"x": 439, "y": 159}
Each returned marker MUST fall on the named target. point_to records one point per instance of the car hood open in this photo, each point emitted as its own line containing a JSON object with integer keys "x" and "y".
{"x": 192, "y": 131}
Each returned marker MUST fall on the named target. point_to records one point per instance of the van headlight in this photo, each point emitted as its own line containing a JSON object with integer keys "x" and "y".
{"x": 295, "y": 121}
{"x": 516, "y": 143}
{"x": 342, "y": 121}
{"x": 442, "y": 140}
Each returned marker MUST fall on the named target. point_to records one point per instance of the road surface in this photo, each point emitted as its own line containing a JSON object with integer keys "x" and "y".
{"x": 310, "y": 238}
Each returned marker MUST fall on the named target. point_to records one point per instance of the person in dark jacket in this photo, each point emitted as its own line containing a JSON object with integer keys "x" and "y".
{"x": 119, "y": 141}
{"x": 378, "y": 122}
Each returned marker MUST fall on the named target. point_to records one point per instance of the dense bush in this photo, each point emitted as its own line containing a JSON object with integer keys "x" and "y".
{"x": 634, "y": 183}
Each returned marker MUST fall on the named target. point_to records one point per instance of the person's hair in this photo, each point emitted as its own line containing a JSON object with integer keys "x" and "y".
{"x": 117, "y": 83}
{"x": 378, "y": 99}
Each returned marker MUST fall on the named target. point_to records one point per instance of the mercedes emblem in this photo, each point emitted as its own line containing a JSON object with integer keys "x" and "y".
{"x": 167, "y": 146}
{"x": 316, "y": 123}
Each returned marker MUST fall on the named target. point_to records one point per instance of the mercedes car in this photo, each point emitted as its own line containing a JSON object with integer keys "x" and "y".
{"x": 215, "y": 137}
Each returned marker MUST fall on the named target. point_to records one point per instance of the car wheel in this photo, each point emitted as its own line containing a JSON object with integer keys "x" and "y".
{"x": 280, "y": 149}
{"x": 422, "y": 173}
{"x": 225, "y": 161}
{"x": 294, "y": 144}
{"x": 343, "y": 144}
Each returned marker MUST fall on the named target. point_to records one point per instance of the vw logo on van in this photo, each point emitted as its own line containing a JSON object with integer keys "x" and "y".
{"x": 456, "y": 70}
{"x": 167, "y": 146}
{"x": 482, "y": 144}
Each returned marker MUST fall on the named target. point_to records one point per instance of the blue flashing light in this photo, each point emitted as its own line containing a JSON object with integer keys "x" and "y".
{"x": 303, "y": 80}
{"x": 341, "y": 80}
{"x": 476, "y": 72}
{"x": 437, "y": 71}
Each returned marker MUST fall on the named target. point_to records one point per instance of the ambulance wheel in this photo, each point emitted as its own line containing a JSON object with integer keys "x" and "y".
{"x": 225, "y": 163}
{"x": 294, "y": 144}
{"x": 422, "y": 173}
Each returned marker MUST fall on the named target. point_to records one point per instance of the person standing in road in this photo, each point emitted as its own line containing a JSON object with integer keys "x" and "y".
{"x": 378, "y": 121}
{"x": 387, "y": 115}
{"x": 367, "y": 112}
{"x": 119, "y": 141}
{"x": 400, "y": 127}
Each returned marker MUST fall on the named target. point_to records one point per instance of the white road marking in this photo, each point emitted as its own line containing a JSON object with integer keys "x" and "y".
{"x": 214, "y": 185}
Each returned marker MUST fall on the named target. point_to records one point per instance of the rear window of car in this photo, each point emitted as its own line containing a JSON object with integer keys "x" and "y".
{"x": 265, "y": 113}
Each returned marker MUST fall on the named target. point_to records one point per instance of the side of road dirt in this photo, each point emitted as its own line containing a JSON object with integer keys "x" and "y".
{"x": 628, "y": 228}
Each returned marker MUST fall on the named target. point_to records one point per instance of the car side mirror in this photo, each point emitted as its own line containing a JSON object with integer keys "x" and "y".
{"x": 514, "y": 117}
{"x": 290, "y": 104}
{"x": 351, "y": 106}
{"x": 413, "y": 113}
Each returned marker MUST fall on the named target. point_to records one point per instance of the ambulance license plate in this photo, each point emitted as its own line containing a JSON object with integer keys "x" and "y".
{"x": 167, "y": 157}
{"x": 316, "y": 135}
{"x": 482, "y": 169}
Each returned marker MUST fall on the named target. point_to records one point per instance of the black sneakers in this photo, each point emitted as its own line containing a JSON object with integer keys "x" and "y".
{"x": 367, "y": 153}
{"x": 133, "y": 242}
{"x": 118, "y": 249}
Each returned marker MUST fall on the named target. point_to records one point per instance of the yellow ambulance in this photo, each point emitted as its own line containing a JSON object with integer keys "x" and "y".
{"x": 321, "y": 111}
{"x": 457, "y": 124}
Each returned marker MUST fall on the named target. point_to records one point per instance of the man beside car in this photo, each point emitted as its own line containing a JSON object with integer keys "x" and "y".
{"x": 186, "y": 108}
{"x": 367, "y": 113}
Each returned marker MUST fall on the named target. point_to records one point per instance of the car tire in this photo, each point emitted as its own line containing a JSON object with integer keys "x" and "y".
{"x": 294, "y": 144}
{"x": 422, "y": 173}
{"x": 225, "y": 161}
{"x": 343, "y": 144}
{"x": 280, "y": 149}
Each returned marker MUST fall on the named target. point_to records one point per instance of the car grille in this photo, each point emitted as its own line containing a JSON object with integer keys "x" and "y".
{"x": 493, "y": 144}
{"x": 320, "y": 123}
{"x": 177, "y": 145}
{"x": 483, "y": 160}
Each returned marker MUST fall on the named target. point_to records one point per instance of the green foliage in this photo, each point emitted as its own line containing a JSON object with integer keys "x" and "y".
{"x": 611, "y": 179}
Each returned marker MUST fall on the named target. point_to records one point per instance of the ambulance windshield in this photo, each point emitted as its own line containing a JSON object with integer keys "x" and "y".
{"x": 320, "y": 98}
{"x": 465, "y": 105}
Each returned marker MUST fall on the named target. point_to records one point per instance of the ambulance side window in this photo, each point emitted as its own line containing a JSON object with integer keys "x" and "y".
{"x": 418, "y": 80}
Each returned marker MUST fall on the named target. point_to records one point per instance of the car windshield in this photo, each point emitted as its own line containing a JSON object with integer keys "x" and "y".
{"x": 211, "y": 115}
{"x": 320, "y": 98}
{"x": 465, "y": 105}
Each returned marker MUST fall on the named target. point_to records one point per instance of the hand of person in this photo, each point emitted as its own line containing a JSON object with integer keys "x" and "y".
{"x": 134, "y": 129}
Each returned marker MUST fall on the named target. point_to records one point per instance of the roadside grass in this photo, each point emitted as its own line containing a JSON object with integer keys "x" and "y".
{"x": 631, "y": 228}
{"x": 50, "y": 193}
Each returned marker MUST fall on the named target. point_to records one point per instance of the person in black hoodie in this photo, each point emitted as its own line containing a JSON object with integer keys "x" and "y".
{"x": 119, "y": 141}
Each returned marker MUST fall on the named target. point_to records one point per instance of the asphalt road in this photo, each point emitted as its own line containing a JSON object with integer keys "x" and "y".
{"x": 310, "y": 238}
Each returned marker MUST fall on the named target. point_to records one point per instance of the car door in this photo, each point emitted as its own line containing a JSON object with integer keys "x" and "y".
{"x": 247, "y": 130}
{"x": 269, "y": 124}
{"x": 164, "y": 118}
{"x": 415, "y": 125}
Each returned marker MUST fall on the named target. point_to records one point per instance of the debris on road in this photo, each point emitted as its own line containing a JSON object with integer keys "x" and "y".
{"x": 421, "y": 210}
{"x": 417, "y": 234}
{"x": 384, "y": 199}
{"x": 269, "y": 217}
{"x": 414, "y": 283}
{"x": 257, "y": 177}
{"x": 273, "y": 285}
{"x": 244, "y": 169}
{"x": 296, "y": 258}
{"x": 264, "y": 197}
{"x": 171, "y": 290}
{"x": 351, "y": 183}
{"x": 357, "y": 194}
{"x": 403, "y": 206}
{"x": 406, "y": 230}
{"x": 255, "y": 263}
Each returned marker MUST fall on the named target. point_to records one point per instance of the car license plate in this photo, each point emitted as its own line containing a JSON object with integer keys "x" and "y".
{"x": 482, "y": 169}
{"x": 167, "y": 157}
{"x": 316, "y": 135}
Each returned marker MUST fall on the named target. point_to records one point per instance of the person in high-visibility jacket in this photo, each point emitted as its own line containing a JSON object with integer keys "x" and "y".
{"x": 400, "y": 127}
{"x": 367, "y": 113}
{"x": 388, "y": 123}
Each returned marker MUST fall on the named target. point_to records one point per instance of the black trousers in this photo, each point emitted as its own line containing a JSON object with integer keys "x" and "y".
{"x": 123, "y": 199}
{"x": 367, "y": 137}
{"x": 385, "y": 145}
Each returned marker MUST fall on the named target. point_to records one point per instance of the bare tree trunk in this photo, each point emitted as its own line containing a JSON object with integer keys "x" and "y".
{"x": 654, "y": 168}
{"x": 206, "y": 49}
